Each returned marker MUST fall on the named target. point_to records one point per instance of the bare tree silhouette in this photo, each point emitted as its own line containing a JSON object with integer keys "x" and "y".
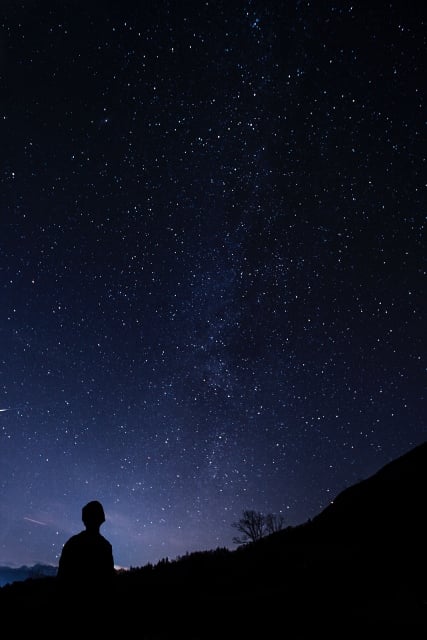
{"x": 254, "y": 525}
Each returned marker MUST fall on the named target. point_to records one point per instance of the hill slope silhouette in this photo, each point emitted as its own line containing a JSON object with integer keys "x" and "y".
{"x": 358, "y": 569}
{"x": 390, "y": 503}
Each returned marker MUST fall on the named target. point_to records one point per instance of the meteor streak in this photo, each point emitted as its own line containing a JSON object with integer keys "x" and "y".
{"x": 35, "y": 521}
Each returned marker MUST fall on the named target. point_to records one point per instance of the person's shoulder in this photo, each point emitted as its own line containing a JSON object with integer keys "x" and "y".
{"x": 106, "y": 542}
{"x": 75, "y": 539}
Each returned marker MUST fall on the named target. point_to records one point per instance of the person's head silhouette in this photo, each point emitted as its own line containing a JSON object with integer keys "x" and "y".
{"x": 93, "y": 515}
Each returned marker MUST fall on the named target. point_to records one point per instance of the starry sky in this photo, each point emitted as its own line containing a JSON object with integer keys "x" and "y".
{"x": 212, "y": 264}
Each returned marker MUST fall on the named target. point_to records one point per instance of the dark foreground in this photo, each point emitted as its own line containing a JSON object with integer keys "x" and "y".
{"x": 210, "y": 610}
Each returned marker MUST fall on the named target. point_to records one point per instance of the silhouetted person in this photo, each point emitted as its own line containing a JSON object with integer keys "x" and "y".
{"x": 86, "y": 566}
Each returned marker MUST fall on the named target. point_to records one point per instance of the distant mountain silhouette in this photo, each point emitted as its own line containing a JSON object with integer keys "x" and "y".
{"x": 14, "y": 574}
{"x": 358, "y": 569}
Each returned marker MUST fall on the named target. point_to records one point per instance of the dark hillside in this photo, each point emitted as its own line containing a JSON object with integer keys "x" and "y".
{"x": 389, "y": 504}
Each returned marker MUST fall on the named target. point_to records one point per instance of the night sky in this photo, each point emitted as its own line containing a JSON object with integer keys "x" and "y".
{"x": 212, "y": 264}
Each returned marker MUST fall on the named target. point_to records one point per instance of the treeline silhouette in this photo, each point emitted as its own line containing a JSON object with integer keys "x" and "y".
{"x": 356, "y": 570}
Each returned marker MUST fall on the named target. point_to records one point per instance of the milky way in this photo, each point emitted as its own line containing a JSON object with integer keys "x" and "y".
{"x": 212, "y": 264}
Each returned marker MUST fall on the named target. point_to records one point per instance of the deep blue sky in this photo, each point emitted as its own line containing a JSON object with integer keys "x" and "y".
{"x": 212, "y": 264}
